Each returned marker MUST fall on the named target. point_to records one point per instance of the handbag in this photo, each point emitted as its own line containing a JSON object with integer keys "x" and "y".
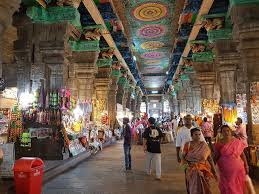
{"x": 249, "y": 185}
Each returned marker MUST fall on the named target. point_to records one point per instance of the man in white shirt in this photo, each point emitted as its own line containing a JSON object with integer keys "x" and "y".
{"x": 184, "y": 135}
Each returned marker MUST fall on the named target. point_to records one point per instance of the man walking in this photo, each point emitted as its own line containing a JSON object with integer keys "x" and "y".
{"x": 127, "y": 143}
{"x": 152, "y": 140}
{"x": 207, "y": 131}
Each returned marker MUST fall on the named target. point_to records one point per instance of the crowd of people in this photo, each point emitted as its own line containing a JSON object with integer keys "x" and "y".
{"x": 198, "y": 150}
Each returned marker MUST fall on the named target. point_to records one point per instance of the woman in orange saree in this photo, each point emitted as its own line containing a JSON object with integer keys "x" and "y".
{"x": 199, "y": 165}
{"x": 231, "y": 162}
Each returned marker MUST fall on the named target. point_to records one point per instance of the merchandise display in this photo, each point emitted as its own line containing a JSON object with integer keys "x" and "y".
{"x": 210, "y": 106}
{"x": 4, "y": 124}
{"x": 254, "y": 89}
{"x": 16, "y": 127}
{"x": 241, "y": 107}
{"x": 229, "y": 113}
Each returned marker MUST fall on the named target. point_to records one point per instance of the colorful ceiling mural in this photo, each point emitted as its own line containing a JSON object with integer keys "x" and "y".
{"x": 150, "y": 27}
{"x": 115, "y": 28}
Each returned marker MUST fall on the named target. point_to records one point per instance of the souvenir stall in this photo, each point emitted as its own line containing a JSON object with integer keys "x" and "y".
{"x": 101, "y": 125}
{"x": 254, "y": 148}
{"x": 9, "y": 117}
{"x": 54, "y": 125}
{"x": 7, "y": 102}
{"x": 76, "y": 127}
{"x": 241, "y": 107}
{"x": 210, "y": 108}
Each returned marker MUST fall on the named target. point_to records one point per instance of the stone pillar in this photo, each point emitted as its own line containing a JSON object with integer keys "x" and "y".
{"x": 22, "y": 52}
{"x": 112, "y": 105}
{"x": 189, "y": 103}
{"x": 196, "y": 93}
{"x": 207, "y": 82}
{"x": 227, "y": 60}
{"x": 102, "y": 87}
{"x": 7, "y": 9}
{"x": 138, "y": 101}
{"x": 130, "y": 91}
{"x": 125, "y": 98}
{"x": 175, "y": 106}
{"x": 245, "y": 17}
{"x": 181, "y": 101}
{"x": 54, "y": 52}
{"x": 120, "y": 94}
{"x": 42, "y": 53}
{"x": 84, "y": 68}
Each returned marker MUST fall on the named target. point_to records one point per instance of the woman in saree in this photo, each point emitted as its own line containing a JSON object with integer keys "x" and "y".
{"x": 232, "y": 163}
{"x": 200, "y": 167}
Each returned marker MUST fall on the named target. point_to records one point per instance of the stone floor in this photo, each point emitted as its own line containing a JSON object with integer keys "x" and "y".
{"x": 104, "y": 174}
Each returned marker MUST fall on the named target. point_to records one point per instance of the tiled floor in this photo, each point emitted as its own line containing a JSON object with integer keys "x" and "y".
{"x": 104, "y": 174}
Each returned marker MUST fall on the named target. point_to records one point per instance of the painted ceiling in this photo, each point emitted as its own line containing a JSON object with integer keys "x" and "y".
{"x": 150, "y": 30}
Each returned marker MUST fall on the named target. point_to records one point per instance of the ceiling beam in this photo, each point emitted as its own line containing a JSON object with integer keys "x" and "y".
{"x": 97, "y": 17}
{"x": 205, "y": 8}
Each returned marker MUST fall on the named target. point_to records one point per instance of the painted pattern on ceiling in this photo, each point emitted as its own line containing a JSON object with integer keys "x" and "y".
{"x": 150, "y": 27}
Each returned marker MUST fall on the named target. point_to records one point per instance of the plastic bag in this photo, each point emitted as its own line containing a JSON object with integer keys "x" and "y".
{"x": 249, "y": 185}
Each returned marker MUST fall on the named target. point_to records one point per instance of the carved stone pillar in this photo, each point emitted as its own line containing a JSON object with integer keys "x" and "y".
{"x": 245, "y": 17}
{"x": 189, "y": 103}
{"x": 129, "y": 99}
{"x": 138, "y": 101}
{"x": 207, "y": 81}
{"x": 84, "y": 71}
{"x": 102, "y": 87}
{"x": 196, "y": 93}
{"x": 112, "y": 105}
{"x": 181, "y": 101}
{"x": 125, "y": 98}
{"x": 120, "y": 94}
{"x": 227, "y": 60}
{"x": 130, "y": 91}
{"x": 23, "y": 51}
{"x": 7, "y": 9}
{"x": 175, "y": 106}
{"x": 54, "y": 52}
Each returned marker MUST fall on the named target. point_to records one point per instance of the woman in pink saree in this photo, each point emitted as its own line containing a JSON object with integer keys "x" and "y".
{"x": 200, "y": 167}
{"x": 231, "y": 162}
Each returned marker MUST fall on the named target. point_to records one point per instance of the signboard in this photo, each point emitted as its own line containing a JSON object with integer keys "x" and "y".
{"x": 6, "y": 167}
